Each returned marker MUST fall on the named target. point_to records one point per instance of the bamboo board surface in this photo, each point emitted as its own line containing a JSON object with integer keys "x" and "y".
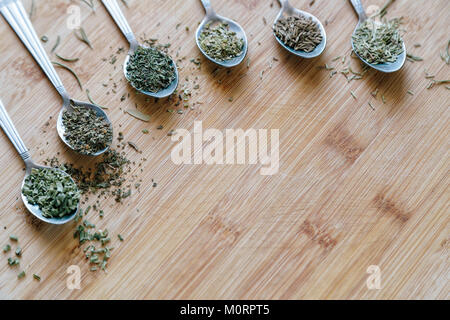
{"x": 356, "y": 186}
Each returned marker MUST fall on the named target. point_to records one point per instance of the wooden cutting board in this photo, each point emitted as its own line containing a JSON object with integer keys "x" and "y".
{"x": 357, "y": 187}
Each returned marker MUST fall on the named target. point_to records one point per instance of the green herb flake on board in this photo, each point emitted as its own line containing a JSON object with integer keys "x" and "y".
{"x": 6, "y": 248}
{"x": 13, "y": 261}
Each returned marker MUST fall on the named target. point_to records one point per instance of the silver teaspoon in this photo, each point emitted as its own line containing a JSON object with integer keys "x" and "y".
{"x": 114, "y": 10}
{"x": 211, "y": 18}
{"x": 7, "y": 126}
{"x": 385, "y": 67}
{"x": 287, "y": 11}
{"x": 17, "y": 17}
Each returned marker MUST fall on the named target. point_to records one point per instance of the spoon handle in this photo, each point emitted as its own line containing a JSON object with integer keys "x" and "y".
{"x": 17, "y": 17}
{"x": 283, "y": 3}
{"x": 114, "y": 10}
{"x": 8, "y": 126}
{"x": 208, "y": 8}
{"x": 357, "y": 5}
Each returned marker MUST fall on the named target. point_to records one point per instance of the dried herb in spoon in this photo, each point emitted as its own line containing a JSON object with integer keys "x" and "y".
{"x": 298, "y": 32}
{"x": 378, "y": 43}
{"x": 85, "y": 131}
{"x": 53, "y": 191}
{"x": 150, "y": 69}
{"x": 220, "y": 43}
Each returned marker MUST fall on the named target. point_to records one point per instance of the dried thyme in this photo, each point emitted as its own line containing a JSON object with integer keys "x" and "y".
{"x": 150, "y": 69}
{"x": 378, "y": 43}
{"x": 298, "y": 32}
{"x": 220, "y": 43}
{"x": 85, "y": 131}
{"x": 53, "y": 191}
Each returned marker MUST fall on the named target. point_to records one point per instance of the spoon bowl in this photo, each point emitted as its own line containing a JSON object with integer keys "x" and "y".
{"x": 35, "y": 210}
{"x": 17, "y": 17}
{"x": 160, "y": 94}
{"x": 213, "y": 18}
{"x": 383, "y": 67}
{"x": 235, "y": 27}
{"x": 8, "y": 127}
{"x": 288, "y": 11}
{"x": 67, "y": 107}
{"x": 114, "y": 10}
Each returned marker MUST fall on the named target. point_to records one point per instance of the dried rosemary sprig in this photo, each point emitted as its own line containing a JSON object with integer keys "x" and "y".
{"x": 88, "y": 94}
{"x": 52, "y": 191}
{"x": 58, "y": 40}
{"x": 82, "y": 36}
{"x": 298, "y": 32}
{"x": 150, "y": 69}
{"x": 85, "y": 131}
{"x": 445, "y": 56}
{"x": 66, "y": 59}
{"x": 220, "y": 43}
{"x": 71, "y": 71}
{"x": 378, "y": 43}
{"x": 138, "y": 115}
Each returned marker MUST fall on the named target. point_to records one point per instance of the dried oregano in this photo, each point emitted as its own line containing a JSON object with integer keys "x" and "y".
{"x": 53, "y": 191}
{"x": 85, "y": 131}
{"x": 220, "y": 43}
{"x": 298, "y": 32}
{"x": 150, "y": 69}
{"x": 378, "y": 43}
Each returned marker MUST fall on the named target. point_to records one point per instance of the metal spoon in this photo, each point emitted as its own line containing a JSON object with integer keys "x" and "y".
{"x": 385, "y": 67}
{"x": 286, "y": 11}
{"x": 212, "y": 17}
{"x": 7, "y": 126}
{"x": 17, "y": 17}
{"x": 114, "y": 10}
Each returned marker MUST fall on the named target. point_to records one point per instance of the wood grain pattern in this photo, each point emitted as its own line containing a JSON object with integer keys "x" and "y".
{"x": 356, "y": 186}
